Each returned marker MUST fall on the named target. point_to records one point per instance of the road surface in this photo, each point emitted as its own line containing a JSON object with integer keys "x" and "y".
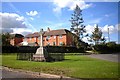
{"x": 108, "y": 57}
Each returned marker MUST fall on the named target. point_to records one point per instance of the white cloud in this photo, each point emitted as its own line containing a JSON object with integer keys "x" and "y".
{"x": 71, "y": 4}
{"x": 23, "y": 31}
{"x": 12, "y": 20}
{"x": 32, "y": 13}
{"x": 14, "y": 23}
{"x": 31, "y": 18}
{"x": 112, "y": 29}
{"x": 117, "y": 26}
{"x": 57, "y": 25}
{"x": 4, "y": 30}
{"x": 89, "y": 28}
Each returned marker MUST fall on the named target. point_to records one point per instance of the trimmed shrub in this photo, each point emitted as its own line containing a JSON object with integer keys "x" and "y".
{"x": 32, "y": 49}
{"x": 9, "y": 49}
{"x": 27, "y": 49}
{"x": 63, "y": 49}
{"x": 107, "y": 48}
{"x": 101, "y": 48}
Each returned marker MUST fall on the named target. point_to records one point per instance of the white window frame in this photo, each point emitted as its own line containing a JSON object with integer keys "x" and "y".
{"x": 30, "y": 38}
{"x": 48, "y": 37}
{"x": 54, "y": 37}
{"x": 61, "y": 43}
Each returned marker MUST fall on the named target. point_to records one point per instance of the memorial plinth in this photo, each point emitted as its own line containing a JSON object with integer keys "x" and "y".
{"x": 39, "y": 55}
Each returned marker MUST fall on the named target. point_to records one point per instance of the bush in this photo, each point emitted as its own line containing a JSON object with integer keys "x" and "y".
{"x": 107, "y": 48}
{"x": 9, "y": 49}
{"x": 32, "y": 49}
{"x": 27, "y": 49}
{"x": 102, "y": 48}
{"x": 63, "y": 49}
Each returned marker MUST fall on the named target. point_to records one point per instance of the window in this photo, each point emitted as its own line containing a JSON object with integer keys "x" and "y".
{"x": 48, "y": 37}
{"x": 48, "y": 44}
{"x": 54, "y": 37}
{"x": 60, "y": 36}
{"x": 54, "y": 44}
{"x": 35, "y": 38}
{"x": 25, "y": 39}
{"x": 60, "y": 43}
{"x": 30, "y": 39}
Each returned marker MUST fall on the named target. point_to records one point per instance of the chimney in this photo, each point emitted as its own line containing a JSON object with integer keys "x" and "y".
{"x": 48, "y": 30}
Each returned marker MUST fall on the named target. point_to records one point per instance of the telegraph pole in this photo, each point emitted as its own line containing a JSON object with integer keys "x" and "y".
{"x": 108, "y": 35}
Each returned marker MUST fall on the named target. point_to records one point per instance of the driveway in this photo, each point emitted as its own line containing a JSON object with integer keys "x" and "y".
{"x": 108, "y": 57}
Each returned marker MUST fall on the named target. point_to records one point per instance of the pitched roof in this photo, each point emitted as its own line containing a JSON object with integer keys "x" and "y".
{"x": 49, "y": 33}
{"x": 56, "y": 32}
{"x": 36, "y": 34}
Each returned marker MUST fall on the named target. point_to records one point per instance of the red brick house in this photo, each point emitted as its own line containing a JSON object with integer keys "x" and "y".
{"x": 16, "y": 39}
{"x": 61, "y": 37}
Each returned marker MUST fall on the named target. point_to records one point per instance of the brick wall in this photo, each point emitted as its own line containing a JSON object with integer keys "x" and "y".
{"x": 57, "y": 40}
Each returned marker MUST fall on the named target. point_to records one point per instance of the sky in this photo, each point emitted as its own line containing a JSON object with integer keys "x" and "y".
{"x": 30, "y": 17}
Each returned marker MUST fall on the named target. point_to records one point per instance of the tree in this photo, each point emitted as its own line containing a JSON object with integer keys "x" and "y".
{"x": 97, "y": 36}
{"x": 77, "y": 26}
{"x": 6, "y": 39}
{"x": 77, "y": 23}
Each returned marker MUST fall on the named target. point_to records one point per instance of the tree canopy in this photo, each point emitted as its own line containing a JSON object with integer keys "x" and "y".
{"x": 6, "y": 39}
{"x": 97, "y": 36}
{"x": 77, "y": 22}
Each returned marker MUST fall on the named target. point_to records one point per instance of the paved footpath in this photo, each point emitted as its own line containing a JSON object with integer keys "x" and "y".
{"x": 108, "y": 57}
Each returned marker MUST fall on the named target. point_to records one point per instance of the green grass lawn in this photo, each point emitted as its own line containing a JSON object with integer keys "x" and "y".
{"x": 77, "y": 66}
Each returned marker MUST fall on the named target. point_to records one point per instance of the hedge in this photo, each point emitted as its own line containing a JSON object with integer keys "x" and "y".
{"x": 9, "y": 49}
{"x": 32, "y": 49}
{"x": 63, "y": 49}
{"x": 104, "y": 48}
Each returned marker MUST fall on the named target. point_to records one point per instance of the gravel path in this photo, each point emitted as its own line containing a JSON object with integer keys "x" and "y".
{"x": 108, "y": 57}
